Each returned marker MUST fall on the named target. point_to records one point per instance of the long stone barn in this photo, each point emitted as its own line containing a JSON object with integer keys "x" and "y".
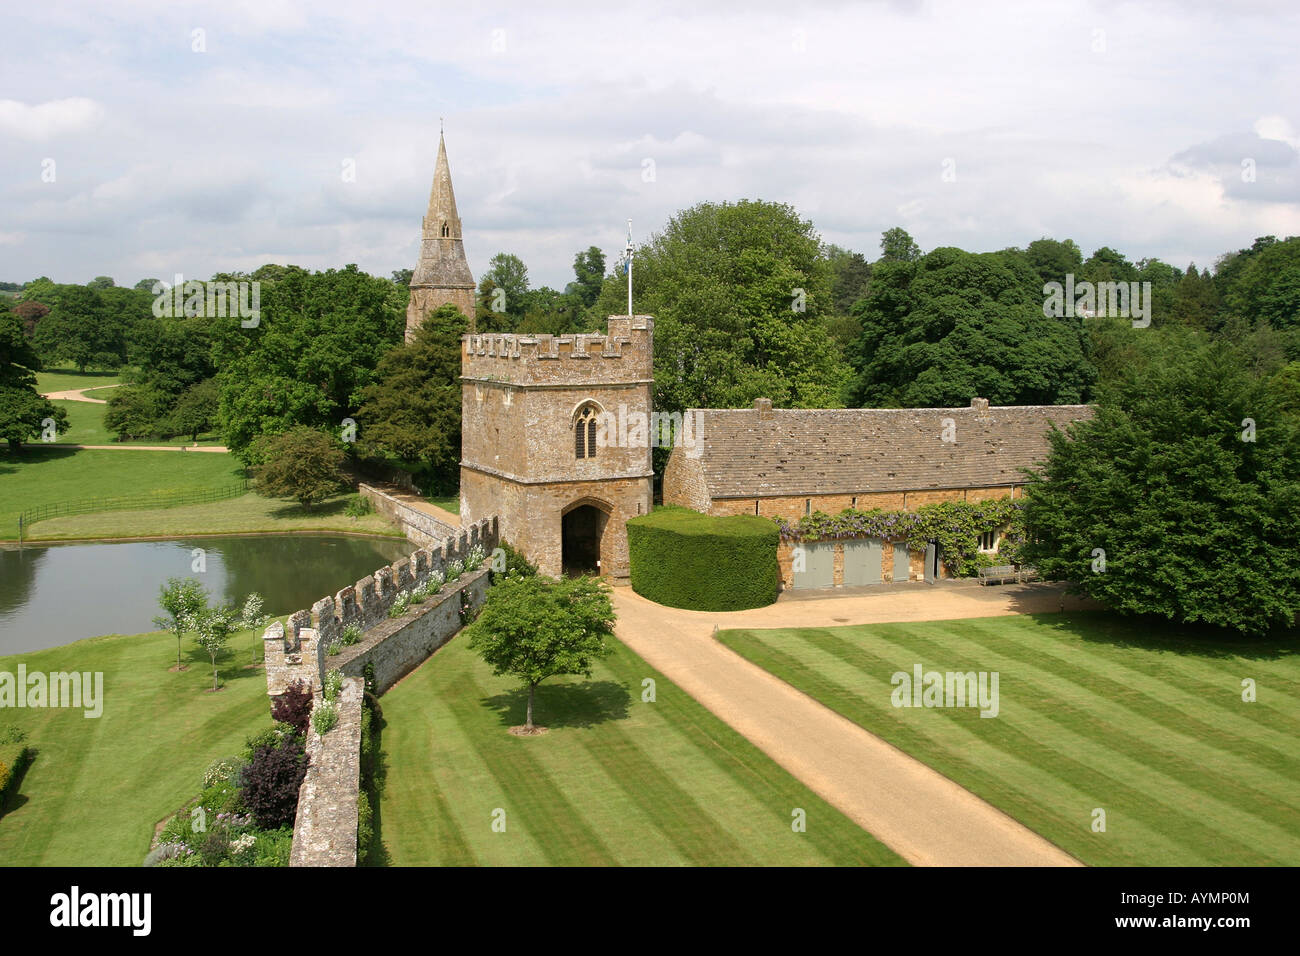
{"x": 788, "y": 463}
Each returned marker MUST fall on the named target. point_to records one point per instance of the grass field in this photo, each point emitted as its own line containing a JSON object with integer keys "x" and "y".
{"x": 86, "y": 427}
{"x": 36, "y": 476}
{"x": 99, "y": 785}
{"x": 1095, "y": 712}
{"x": 615, "y": 781}
{"x": 66, "y": 379}
{"x": 247, "y": 514}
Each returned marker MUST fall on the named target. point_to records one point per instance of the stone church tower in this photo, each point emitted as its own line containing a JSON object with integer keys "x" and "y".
{"x": 442, "y": 274}
{"x": 535, "y": 415}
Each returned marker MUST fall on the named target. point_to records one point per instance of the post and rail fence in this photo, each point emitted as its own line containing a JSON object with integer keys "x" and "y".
{"x": 171, "y": 499}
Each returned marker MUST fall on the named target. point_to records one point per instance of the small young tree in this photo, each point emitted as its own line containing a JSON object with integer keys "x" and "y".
{"x": 182, "y": 599}
{"x": 537, "y": 627}
{"x": 213, "y": 627}
{"x": 303, "y": 463}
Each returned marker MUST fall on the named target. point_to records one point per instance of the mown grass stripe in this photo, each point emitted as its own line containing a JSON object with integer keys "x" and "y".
{"x": 533, "y": 800}
{"x": 1013, "y": 771}
{"x": 1277, "y": 727}
{"x": 455, "y": 758}
{"x": 1129, "y": 710}
{"x": 1179, "y": 784}
{"x": 693, "y": 832}
{"x": 834, "y": 839}
{"x": 443, "y": 843}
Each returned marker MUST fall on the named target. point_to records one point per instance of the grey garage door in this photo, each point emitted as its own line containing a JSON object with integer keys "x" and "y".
{"x": 819, "y": 565}
{"x": 902, "y": 561}
{"x": 861, "y": 562}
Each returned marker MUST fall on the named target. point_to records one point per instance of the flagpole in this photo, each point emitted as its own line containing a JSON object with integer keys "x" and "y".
{"x": 629, "y": 268}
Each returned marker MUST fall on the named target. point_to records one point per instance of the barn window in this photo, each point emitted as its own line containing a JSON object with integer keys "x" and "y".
{"x": 989, "y": 541}
{"x": 807, "y": 506}
{"x": 584, "y": 434}
{"x": 755, "y": 506}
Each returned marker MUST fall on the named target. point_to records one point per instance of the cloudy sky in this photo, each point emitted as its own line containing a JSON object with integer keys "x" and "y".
{"x": 151, "y": 137}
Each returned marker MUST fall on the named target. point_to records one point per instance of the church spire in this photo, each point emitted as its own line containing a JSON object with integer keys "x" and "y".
{"x": 442, "y": 275}
{"x": 441, "y": 221}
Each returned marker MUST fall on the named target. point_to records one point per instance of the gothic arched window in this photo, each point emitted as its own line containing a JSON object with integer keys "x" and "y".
{"x": 584, "y": 433}
{"x": 445, "y": 231}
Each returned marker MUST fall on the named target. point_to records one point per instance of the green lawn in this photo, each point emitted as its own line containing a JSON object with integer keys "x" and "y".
{"x": 243, "y": 515}
{"x": 1095, "y": 711}
{"x": 36, "y": 476}
{"x": 451, "y": 504}
{"x": 66, "y": 379}
{"x": 615, "y": 781}
{"x": 86, "y": 427}
{"x": 99, "y": 785}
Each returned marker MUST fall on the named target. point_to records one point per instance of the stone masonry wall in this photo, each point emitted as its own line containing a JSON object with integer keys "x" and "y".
{"x": 299, "y": 651}
{"x": 325, "y": 830}
{"x": 424, "y": 529}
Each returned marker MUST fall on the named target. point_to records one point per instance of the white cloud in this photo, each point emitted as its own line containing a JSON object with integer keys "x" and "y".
{"x": 48, "y": 120}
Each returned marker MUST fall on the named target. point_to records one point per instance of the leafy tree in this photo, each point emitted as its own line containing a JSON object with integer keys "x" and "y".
{"x": 1052, "y": 260}
{"x": 302, "y": 463}
{"x": 403, "y": 277}
{"x": 412, "y": 408}
{"x": 740, "y": 293}
{"x": 316, "y": 345}
{"x": 1266, "y": 285}
{"x": 954, "y": 325}
{"x": 78, "y": 330}
{"x": 31, "y": 313}
{"x": 507, "y": 275}
{"x": 23, "y": 411}
{"x": 269, "y": 785}
{"x": 1194, "y": 511}
{"x": 136, "y": 411}
{"x": 850, "y": 274}
{"x": 101, "y": 282}
{"x": 897, "y": 245}
{"x": 183, "y": 599}
{"x": 196, "y": 409}
{"x": 589, "y": 272}
{"x": 212, "y": 628}
{"x": 145, "y": 285}
{"x": 535, "y": 627}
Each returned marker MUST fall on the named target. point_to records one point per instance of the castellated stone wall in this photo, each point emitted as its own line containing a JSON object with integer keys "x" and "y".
{"x": 298, "y": 652}
{"x": 521, "y": 396}
{"x": 424, "y": 529}
{"x": 325, "y": 830}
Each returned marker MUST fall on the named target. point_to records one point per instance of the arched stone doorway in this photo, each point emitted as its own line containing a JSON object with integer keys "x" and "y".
{"x": 582, "y": 531}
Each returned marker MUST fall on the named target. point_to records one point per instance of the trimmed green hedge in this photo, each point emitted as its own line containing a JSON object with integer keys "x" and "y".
{"x": 681, "y": 558}
{"x": 14, "y": 756}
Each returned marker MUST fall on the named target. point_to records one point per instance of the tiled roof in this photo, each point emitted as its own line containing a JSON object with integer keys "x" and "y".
{"x": 746, "y": 453}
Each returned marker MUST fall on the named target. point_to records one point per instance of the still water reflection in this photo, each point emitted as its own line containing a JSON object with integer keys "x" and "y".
{"x": 55, "y": 594}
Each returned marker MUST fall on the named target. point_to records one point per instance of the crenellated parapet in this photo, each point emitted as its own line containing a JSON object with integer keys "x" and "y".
{"x": 622, "y": 354}
{"x": 298, "y": 651}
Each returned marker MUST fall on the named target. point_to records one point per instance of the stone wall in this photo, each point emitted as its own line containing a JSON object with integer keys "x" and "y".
{"x": 299, "y": 651}
{"x": 325, "y": 830}
{"x": 422, "y": 528}
{"x": 398, "y": 645}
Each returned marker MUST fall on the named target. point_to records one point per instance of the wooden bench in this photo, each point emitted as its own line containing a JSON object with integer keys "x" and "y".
{"x": 1000, "y": 571}
{"x": 1003, "y": 572}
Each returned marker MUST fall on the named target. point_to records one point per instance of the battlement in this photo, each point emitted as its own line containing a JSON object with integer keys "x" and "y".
{"x": 536, "y": 359}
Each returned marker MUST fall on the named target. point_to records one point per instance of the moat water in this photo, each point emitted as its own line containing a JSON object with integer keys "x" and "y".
{"x": 59, "y": 593}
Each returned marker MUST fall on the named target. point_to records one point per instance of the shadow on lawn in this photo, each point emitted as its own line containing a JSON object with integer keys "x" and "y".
{"x": 564, "y": 705}
{"x": 1153, "y": 633}
{"x": 330, "y": 508}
